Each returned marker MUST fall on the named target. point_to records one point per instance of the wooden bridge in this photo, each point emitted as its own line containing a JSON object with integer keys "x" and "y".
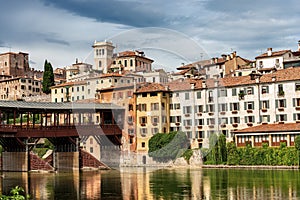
{"x": 23, "y": 124}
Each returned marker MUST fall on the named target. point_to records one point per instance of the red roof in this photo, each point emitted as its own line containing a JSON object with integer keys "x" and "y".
{"x": 267, "y": 128}
{"x": 151, "y": 87}
{"x": 274, "y": 53}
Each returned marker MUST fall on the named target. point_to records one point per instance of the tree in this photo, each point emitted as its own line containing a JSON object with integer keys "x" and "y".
{"x": 48, "y": 77}
{"x": 297, "y": 146}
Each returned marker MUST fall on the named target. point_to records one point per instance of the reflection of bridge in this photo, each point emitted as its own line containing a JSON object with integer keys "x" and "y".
{"x": 23, "y": 124}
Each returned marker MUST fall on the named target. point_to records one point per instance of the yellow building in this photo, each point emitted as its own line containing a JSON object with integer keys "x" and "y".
{"x": 152, "y": 114}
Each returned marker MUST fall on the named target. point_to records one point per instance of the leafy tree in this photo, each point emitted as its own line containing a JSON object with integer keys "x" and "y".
{"x": 48, "y": 77}
{"x": 297, "y": 146}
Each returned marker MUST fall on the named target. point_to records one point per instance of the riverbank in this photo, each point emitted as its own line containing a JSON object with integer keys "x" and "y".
{"x": 251, "y": 166}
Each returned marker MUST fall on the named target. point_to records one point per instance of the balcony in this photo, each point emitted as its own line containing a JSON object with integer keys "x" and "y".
{"x": 199, "y": 113}
{"x": 210, "y": 99}
{"x": 249, "y": 111}
{"x": 250, "y": 124}
{"x": 210, "y": 113}
{"x": 235, "y": 124}
{"x": 297, "y": 107}
{"x": 223, "y": 125}
{"x": 234, "y": 112}
{"x": 187, "y": 114}
{"x": 264, "y": 110}
{"x": 177, "y": 123}
{"x": 199, "y": 126}
{"x": 154, "y": 123}
{"x": 222, "y": 113}
{"x": 143, "y": 124}
{"x": 211, "y": 126}
{"x": 281, "y": 108}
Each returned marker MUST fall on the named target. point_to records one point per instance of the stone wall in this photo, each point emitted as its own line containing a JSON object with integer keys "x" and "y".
{"x": 15, "y": 161}
{"x": 66, "y": 161}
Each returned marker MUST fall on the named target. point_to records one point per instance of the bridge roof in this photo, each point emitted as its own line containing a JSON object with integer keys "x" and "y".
{"x": 23, "y": 105}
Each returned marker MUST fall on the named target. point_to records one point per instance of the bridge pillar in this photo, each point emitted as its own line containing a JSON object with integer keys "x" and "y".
{"x": 66, "y": 161}
{"x": 15, "y": 161}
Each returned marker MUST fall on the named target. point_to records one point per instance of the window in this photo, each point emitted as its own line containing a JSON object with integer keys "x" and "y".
{"x": 223, "y": 107}
{"x": 187, "y": 122}
{"x": 250, "y": 90}
{"x": 210, "y": 121}
{"x": 265, "y": 89}
{"x": 142, "y": 107}
{"x": 153, "y": 94}
{"x": 143, "y": 146}
{"x": 82, "y": 88}
{"x": 125, "y": 63}
{"x": 223, "y": 120}
{"x": 61, "y": 90}
{"x": 280, "y": 90}
{"x": 154, "y": 106}
{"x": 144, "y": 94}
{"x": 249, "y": 105}
{"x": 234, "y": 120}
{"x": 233, "y": 91}
{"x": 91, "y": 141}
{"x": 131, "y": 63}
{"x": 55, "y": 100}
{"x": 296, "y": 116}
{"x": 249, "y": 119}
{"x": 91, "y": 149}
{"x": 199, "y": 108}
{"x": 187, "y": 96}
{"x": 55, "y": 91}
{"x": 264, "y": 104}
{"x": 143, "y": 120}
{"x": 210, "y": 96}
{"x": 187, "y": 110}
{"x": 210, "y": 108}
{"x": 265, "y": 118}
{"x": 199, "y": 95}
{"x": 280, "y": 103}
{"x": 222, "y": 93}
{"x": 143, "y": 131}
{"x": 234, "y": 106}
{"x": 77, "y": 89}
{"x": 296, "y": 102}
{"x": 154, "y": 130}
{"x": 130, "y": 119}
{"x": 130, "y": 107}
{"x": 155, "y": 119}
{"x": 200, "y": 122}
{"x": 260, "y": 64}
{"x": 281, "y": 118}
{"x": 297, "y": 86}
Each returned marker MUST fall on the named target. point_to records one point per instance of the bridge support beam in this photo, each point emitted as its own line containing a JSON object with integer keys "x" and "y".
{"x": 66, "y": 161}
{"x": 15, "y": 161}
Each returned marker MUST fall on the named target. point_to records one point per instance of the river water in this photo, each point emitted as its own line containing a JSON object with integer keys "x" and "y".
{"x": 150, "y": 183}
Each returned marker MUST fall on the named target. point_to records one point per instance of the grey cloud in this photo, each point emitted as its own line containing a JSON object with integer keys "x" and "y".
{"x": 57, "y": 41}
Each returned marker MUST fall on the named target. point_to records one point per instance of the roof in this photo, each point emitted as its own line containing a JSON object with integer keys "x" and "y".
{"x": 267, "y": 128}
{"x": 274, "y": 53}
{"x": 70, "y": 106}
{"x": 289, "y": 74}
{"x": 184, "y": 84}
{"x": 151, "y": 87}
{"x": 69, "y": 84}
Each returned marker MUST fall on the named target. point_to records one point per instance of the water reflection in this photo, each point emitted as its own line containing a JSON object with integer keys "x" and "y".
{"x": 146, "y": 183}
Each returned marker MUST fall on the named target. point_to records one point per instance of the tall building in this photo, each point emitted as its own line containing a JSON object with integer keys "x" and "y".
{"x": 14, "y": 64}
{"x": 103, "y": 53}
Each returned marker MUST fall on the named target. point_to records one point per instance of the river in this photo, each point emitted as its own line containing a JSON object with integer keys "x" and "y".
{"x": 150, "y": 183}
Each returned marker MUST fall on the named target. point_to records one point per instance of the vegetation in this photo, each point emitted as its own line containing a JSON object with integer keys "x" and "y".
{"x": 48, "y": 77}
{"x": 297, "y": 146}
{"x": 16, "y": 194}
{"x": 187, "y": 154}
{"x": 168, "y": 146}
{"x": 248, "y": 155}
{"x": 217, "y": 154}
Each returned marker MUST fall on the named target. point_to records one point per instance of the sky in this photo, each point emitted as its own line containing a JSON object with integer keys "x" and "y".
{"x": 169, "y": 32}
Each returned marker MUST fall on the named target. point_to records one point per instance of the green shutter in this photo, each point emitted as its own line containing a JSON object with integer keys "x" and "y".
{"x": 276, "y": 103}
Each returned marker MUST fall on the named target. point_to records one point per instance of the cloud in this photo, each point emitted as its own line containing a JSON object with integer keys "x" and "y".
{"x": 57, "y": 41}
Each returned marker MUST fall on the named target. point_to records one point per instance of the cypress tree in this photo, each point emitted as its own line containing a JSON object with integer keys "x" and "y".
{"x": 48, "y": 77}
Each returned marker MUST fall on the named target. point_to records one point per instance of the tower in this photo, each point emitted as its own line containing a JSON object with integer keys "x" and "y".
{"x": 103, "y": 53}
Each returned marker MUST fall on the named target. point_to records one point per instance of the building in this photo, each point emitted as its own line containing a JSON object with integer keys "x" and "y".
{"x": 18, "y": 88}
{"x": 152, "y": 113}
{"x": 14, "y": 64}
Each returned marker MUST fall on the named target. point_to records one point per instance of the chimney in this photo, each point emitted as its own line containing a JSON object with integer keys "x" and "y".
{"x": 212, "y": 61}
{"x": 203, "y": 84}
{"x": 299, "y": 45}
{"x": 192, "y": 86}
{"x": 269, "y": 51}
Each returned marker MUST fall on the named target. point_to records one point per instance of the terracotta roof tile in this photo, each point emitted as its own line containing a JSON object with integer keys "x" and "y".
{"x": 267, "y": 128}
{"x": 184, "y": 84}
{"x": 69, "y": 84}
{"x": 274, "y": 53}
{"x": 151, "y": 87}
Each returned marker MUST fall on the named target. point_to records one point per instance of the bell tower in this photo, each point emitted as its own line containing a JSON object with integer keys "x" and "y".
{"x": 103, "y": 53}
